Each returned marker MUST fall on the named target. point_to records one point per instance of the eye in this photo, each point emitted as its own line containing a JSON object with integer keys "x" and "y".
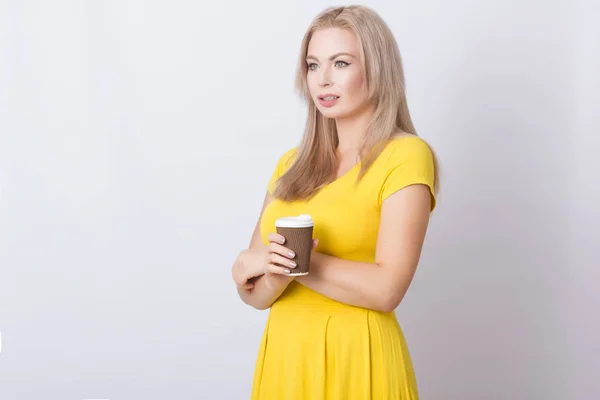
{"x": 312, "y": 66}
{"x": 341, "y": 63}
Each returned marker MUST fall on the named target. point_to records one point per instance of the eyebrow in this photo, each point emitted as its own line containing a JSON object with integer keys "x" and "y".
{"x": 332, "y": 57}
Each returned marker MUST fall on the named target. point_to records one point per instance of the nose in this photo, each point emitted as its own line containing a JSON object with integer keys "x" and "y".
{"x": 325, "y": 78}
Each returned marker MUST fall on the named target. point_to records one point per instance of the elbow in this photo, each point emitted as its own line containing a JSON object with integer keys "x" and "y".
{"x": 391, "y": 291}
{"x": 382, "y": 302}
{"x": 388, "y": 304}
{"x": 252, "y": 302}
{"x": 389, "y": 300}
{"x": 257, "y": 305}
{"x": 261, "y": 307}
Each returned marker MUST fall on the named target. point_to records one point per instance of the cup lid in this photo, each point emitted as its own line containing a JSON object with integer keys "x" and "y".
{"x": 300, "y": 221}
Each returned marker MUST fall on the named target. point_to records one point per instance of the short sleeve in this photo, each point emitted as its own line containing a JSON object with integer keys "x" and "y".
{"x": 283, "y": 164}
{"x": 410, "y": 162}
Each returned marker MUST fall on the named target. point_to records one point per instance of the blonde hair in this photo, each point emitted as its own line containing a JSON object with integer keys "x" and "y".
{"x": 315, "y": 163}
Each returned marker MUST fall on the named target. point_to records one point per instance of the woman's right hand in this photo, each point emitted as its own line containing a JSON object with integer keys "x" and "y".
{"x": 272, "y": 260}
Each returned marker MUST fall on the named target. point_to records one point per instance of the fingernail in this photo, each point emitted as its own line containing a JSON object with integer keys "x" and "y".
{"x": 293, "y": 264}
{"x": 287, "y": 271}
{"x": 292, "y": 254}
{"x": 282, "y": 240}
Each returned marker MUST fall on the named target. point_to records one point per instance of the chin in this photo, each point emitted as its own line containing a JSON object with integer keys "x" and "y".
{"x": 331, "y": 112}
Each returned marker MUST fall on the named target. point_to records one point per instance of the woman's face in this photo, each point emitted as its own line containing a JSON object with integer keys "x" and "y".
{"x": 335, "y": 74}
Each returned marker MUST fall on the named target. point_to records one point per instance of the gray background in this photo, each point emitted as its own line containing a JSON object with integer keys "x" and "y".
{"x": 136, "y": 141}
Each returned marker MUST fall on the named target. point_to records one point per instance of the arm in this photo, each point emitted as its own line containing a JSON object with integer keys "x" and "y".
{"x": 381, "y": 285}
{"x": 265, "y": 289}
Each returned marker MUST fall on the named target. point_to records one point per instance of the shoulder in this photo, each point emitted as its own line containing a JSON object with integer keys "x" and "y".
{"x": 285, "y": 160}
{"x": 406, "y": 160}
{"x": 288, "y": 156}
{"x": 283, "y": 163}
{"x": 407, "y": 149}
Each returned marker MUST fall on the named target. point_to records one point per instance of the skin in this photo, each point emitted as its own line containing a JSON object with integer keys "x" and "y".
{"x": 260, "y": 271}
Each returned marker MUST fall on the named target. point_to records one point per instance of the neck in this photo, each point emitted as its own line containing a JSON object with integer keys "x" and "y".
{"x": 351, "y": 131}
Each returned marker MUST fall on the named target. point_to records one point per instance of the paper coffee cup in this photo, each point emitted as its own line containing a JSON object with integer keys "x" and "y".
{"x": 298, "y": 234}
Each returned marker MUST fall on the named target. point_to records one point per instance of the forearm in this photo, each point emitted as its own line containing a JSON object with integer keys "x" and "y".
{"x": 267, "y": 289}
{"x": 360, "y": 284}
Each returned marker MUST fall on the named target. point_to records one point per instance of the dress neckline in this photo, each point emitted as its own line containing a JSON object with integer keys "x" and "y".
{"x": 344, "y": 176}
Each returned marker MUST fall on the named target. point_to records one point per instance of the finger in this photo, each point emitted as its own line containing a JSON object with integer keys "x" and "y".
{"x": 315, "y": 243}
{"x": 281, "y": 250}
{"x": 275, "y": 237}
{"x": 242, "y": 282}
{"x": 248, "y": 285}
{"x": 283, "y": 261}
{"x": 276, "y": 269}
{"x": 238, "y": 280}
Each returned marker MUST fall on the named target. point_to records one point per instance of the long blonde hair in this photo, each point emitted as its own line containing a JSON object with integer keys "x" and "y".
{"x": 315, "y": 161}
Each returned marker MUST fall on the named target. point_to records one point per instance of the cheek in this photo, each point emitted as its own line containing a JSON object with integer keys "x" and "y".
{"x": 312, "y": 84}
{"x": 352, "y": 82}
{"x": 353, "y": 85}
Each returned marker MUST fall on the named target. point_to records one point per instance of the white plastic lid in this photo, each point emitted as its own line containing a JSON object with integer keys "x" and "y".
{"x": 301, "y": 221}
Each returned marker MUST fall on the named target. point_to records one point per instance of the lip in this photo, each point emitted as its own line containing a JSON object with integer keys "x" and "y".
{"x": 328, "y": 103}
{"x": 327, "y": 95}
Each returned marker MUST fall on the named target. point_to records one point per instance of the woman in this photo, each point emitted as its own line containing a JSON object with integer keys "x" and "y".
{"x": 369, "y": 183}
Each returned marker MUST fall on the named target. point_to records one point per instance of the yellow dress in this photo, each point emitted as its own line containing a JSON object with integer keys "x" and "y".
{"x": 317, "y": 348}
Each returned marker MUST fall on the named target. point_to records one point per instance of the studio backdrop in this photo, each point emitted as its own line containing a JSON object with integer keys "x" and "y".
{"x": 136, "y": 142}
